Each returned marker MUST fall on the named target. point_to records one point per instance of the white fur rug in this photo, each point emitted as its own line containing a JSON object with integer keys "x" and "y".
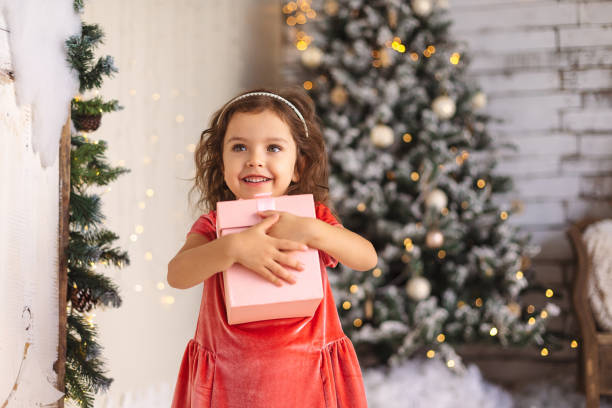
{"x": 416, "y": 384}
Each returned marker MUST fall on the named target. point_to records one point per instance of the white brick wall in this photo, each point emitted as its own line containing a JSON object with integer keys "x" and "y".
{"x": 546, "y": 67}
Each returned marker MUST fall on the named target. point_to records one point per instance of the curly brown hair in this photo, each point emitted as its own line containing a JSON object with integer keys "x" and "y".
{"x": 311, "y": 153}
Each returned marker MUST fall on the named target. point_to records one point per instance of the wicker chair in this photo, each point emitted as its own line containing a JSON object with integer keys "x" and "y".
{"x": 595, "y": 358}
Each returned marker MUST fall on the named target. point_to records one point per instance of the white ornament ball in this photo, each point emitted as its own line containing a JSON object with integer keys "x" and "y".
{"x": 436, "y": 198}
{"x": 444, "y": 107}
{"x": 479, "y": 100}
{"x": 312, "y": 57}
{"x": 434, "y": 239}
{"x": 381, "y": 136}
{"x": 442, "y": 4}
{"x": 418, "y": 288}
{"x": 421, "y": 8}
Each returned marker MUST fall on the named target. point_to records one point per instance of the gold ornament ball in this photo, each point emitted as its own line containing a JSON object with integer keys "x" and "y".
{"x": 418, "y": 288}
{"x": 421, "y": 8}
{"x": 479, "y": 100}
{"x": 444, "y": 107}
{"x": 312, "y": 57}
{"x": 381, "y": 136}
{"x": 434, "y": 239}
{"x": 436, "y": 198}
{"x": 331, "y": 7}
{"x": 515, "y": 309}
{"x": 338, "y": 95}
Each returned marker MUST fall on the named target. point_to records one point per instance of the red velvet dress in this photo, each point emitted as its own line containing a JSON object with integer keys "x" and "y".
{"x": 280, "y": 363}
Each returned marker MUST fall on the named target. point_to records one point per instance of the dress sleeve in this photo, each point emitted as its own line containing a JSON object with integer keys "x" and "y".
{"x": 324, "y": 214}
{"x": 205, "y": 225}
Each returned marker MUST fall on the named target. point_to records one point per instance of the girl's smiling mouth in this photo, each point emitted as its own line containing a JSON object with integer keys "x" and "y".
{"x": 256, "y": 179}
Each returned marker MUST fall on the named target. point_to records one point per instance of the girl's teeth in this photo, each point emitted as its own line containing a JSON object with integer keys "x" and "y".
{"x": 255, "y": 180}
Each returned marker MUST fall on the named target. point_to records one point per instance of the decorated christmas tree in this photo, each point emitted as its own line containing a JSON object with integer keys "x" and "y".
{"x": 412, "y": 169}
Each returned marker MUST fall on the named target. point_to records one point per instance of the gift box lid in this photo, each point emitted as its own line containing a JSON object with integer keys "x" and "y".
{"x": 243, "y": 212}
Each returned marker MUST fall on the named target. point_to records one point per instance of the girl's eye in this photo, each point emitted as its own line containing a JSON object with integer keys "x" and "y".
{"x": 238, "y": 147}
{"x": 275, "y": 147}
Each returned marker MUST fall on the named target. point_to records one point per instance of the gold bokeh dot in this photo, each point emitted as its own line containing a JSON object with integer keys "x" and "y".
{"x": 346, "y": 305}
{"x": 167, "y": 300}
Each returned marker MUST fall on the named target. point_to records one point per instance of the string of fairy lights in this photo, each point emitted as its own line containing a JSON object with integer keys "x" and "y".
{"x": 297, "y": 14}
{"x": 141, "y": 204}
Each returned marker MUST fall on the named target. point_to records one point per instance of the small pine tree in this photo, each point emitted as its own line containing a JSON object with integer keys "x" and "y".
{"x": 89, "y": 243}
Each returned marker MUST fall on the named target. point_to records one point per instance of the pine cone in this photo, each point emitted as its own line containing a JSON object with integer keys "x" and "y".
{"x": 87, "y": 123}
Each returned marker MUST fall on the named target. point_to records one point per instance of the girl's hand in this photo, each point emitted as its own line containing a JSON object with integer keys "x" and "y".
{"x": 288, "y": 226}
{"x": 261, "y": 253}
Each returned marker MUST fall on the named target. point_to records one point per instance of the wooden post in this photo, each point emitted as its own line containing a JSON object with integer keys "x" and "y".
{"x": 64, "y": 205}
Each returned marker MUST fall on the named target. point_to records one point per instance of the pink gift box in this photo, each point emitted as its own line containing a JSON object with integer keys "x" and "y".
{"x": 250, "y": 297}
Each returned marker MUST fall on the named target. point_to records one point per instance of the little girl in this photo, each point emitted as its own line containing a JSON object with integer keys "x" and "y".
{"x": 265, "y": 142}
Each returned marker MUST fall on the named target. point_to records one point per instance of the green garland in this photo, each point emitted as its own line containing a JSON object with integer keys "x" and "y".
{"x": 94, "y": 106}
{"x": 89, "y": 243}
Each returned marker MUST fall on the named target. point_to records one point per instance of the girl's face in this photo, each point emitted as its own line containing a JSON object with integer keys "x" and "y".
{"x": 259, "y": 155}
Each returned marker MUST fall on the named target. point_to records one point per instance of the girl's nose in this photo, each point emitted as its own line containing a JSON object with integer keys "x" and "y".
{"x": 254, "y": 161}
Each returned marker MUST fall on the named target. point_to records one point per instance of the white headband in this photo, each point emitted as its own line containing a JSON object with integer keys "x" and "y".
{"x": 280, "y": 98}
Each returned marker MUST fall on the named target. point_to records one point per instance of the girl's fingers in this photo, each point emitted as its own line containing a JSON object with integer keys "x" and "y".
{"x": 267, "y": 222}
{"x": 288, "y": 245}
{"x": 281, "y": 272}
{"x": 270, "y": 276}
{"x": 290, "y": 261}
